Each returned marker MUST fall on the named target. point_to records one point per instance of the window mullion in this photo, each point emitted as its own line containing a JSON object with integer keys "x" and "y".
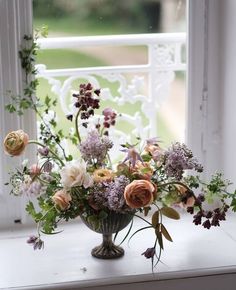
{"x": 15, "y": 21}
{"x": 203, "y": 116}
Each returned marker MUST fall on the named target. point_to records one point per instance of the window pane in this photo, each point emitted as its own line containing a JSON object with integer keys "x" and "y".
{"x": 110, "y": 17}
{"x": 93, "y": 17}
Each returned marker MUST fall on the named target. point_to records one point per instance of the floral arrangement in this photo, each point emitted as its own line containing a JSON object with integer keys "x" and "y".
{"x": 90, "y": 186}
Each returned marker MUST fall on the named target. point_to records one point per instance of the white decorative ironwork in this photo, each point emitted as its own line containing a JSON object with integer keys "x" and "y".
{"x": 147, "y": 83}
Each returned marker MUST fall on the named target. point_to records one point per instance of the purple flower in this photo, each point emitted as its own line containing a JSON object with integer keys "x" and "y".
{"x": 43, "y": 151}
{"x": 179, "y": 158}
{"x": 115, "y": 193}
{"x": 149, "y": 253}
{"x": 132, "y": 156}
{"x": 36, "y": 242}
{"x": 94, "y": 149}
{"x": 32, "y": 239}
{"x": 109, "y": 117}
{"x": 47, "y": 166}
{"x": 110, "y": 194}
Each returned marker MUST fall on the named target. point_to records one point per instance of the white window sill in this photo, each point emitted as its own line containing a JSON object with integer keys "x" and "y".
{"x": 197, "y": 258}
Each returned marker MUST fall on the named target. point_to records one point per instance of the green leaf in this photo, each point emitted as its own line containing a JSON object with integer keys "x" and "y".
{"x": 233, "y": 204}
{"x": 155, "y": 219}
{"x": 165, "y": 233}
{"x": 69, "y": 158}
{"x": 159, "y": 237}
{"x": 102, "y": 214}
{"x": 47, "y": 101}
{"x": 10, "y": 108}
{"x": 139, "y": 230}
{"x": 146, "y": 157}
{"x": 93, "y": 219}
{"x": 145, "y": 170}
{"x": 146, "y": 210}
{"x": 170, "y": 213}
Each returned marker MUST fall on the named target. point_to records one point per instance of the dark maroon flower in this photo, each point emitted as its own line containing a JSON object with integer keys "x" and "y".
{"x": 208, "y": 214}
{"x": 97, "y": 92}
{"x": 149, "y": 253}
{"x": 69, "y": 117}
{"x": 190, "y": 209}
{"x": 197, "y": 218}
{"x": 215, "y": 222}
{"x": 91, "y": 112}
{"x": 206, "y": 224}
{"x": 88, "y": 87}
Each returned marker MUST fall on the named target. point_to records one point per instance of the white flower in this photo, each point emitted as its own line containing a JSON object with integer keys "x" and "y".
{"x": 75, "y": 174}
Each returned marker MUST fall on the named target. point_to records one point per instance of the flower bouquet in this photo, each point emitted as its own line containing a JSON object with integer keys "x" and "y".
{"x": 147, "y": 183}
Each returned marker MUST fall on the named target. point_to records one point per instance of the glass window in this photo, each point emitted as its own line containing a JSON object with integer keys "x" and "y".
{"x": 111, "y": 17}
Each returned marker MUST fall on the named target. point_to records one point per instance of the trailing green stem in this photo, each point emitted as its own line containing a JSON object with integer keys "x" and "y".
{"x": 52, "y": 152}
{"x": 77, "y": 126}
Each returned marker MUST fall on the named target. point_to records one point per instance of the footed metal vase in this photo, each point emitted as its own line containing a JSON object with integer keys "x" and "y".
{"x": 113, "y": 223}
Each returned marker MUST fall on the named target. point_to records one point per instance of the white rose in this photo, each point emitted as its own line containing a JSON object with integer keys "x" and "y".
{"x": 74, "y": 173}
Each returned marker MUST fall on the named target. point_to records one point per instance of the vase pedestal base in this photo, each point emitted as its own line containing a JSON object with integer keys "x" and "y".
{"x": 107, "y": 250}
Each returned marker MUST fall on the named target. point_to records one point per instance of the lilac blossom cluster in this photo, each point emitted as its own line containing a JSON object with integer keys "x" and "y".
{"x": 94, "y": 148}
{"x": 179, "y": 158}
{"x": 110, "y": 195}
{"x": 115, "y": 194}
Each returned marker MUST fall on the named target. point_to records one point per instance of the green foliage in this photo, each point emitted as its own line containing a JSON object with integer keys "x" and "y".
{"x": 27, "y": 55}
{"x": 233, "y": 202}
{"x": 78, "y": 15}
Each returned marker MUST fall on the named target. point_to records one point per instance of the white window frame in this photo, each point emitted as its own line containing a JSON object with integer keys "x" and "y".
{"x": 204, "y": 128}
{"x": 203, "y": 125}
{"x": 15, "y": 22}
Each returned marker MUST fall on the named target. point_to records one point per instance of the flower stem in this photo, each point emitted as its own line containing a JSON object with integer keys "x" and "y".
{"x": 173, "y": 183}
{"x": 52, "y": 152}
{"x": 77, "y": 126}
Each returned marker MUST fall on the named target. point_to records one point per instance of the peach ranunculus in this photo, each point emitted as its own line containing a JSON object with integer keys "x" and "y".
{"x": 155, "y": 151}
{"x": 188, "y": 199}
{"x": 15, "y": 142}
{"x": 142, "y": 170}
{"x": 103, "y": 175}
{"x": 139, "y": 193}
{"x": 62, "y": 199}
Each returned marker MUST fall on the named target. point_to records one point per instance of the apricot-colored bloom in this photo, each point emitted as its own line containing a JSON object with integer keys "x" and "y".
{"x": 142, "y": 170}
{"x": 62, "y": 199}
{"x": 155, "y": 151}
{"x": 103, "y": 175}
{"x": 139, "y": 193}
{"x": 15, "y": 142}
{"x": 188, "y": 200}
